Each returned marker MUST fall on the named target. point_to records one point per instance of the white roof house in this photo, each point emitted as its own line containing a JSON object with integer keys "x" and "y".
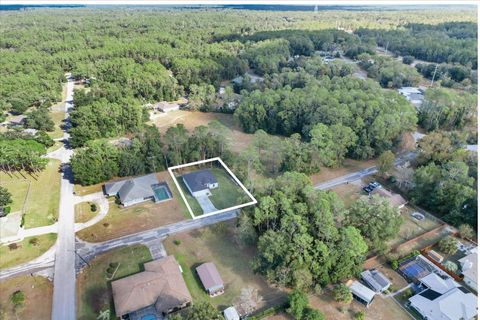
{"x": 375, "y": 280}
{"x": 362, "y": 293}
{"x": 444, "y": 299}
{"x": 413, "y": 94}
{"x": 470, "y": 269}
{"x": 231, "y": 314}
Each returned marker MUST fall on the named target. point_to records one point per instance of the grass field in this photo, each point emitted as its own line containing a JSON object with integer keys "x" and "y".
{"x": 27, "y": 250}
{"x": 83, "y": 212}
{"x": 216, "y": 244}
{"x": 84, "y": 190}
{"x": 349, "y": 193}
{"x": 121, "y": 221}
{"x": 38, "y": 293}
{"x": 238, "y": 140}
{"x": 94, "y": 293}
{"x": 380, "y": 309}
{"x": 228, "y": 193}
{"x": 38, "y": 195}
{"x": 57, "y": 117}
{"x": 348, "y": 166}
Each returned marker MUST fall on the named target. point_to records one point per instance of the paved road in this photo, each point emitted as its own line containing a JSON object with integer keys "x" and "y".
{"x": 86, "y": 251}
{"x": 64, "y": 273}
{"x": 361, "y": 173}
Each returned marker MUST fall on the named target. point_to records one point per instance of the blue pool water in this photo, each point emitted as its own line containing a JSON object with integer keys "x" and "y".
{"x": 149, "y": 317}
{"x": 161, "y": 193}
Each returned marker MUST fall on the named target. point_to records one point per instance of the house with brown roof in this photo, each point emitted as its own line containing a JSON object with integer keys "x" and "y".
{"x": 160, "y": 290}
{"x": 396, "y": 200}
{"x": 210, "y": 278}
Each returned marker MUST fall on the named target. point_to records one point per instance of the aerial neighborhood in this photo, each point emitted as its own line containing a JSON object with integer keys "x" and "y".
{"x": 240, "y": 161}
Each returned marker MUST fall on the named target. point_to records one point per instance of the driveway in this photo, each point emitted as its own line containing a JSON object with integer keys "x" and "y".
{"x": 206, "y": 204}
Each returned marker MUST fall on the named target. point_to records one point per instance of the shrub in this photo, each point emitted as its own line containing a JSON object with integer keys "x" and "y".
{"x": 177, "y": 242}
{"x": 93, "y": 207}
{"x": 342, "y": 293}
{"x": 407, "y": 293}
{"x": 17, "y": 299}
{"x": 34, "y": 241}
{"x": 360, "y": 315}
{"x": 466, "y": 231}
{"x": 448, "y": 245}
{"x": 13, "y": 246}
{"x": 451, "y": 266}
{"x": 394, "y": 264}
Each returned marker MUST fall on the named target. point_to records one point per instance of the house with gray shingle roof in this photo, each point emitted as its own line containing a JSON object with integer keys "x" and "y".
{"x": 200, "y": 182}
{"x": 136, "y": 190}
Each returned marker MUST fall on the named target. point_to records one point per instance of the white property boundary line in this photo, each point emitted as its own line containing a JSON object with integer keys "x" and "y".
{"x": 170, "y": 170}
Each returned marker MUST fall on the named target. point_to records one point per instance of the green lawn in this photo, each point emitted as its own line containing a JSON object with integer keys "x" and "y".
{"x": 228, "y": 193}
{"x": 26, "y": 250}
{"x": 57, "y": 117}
{"x": 94, "y": 293}
{"x": 83, "y": 211}
{"x": 37, "y": 194}
{"x": 216, "y": 244}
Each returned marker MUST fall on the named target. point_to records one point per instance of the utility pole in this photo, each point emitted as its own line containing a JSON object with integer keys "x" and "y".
{"x": 434, "y": 73}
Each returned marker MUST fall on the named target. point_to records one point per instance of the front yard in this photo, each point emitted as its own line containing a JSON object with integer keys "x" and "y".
{"x": 216, "y": 244}
{"x": 84, "y": 212}
{"x": 37, "y": 195}
{"x": 38, "y": 293}
{"x": 94, "y": 293}
{"x": 121, "y": 221}
{"x": 26, "y": 250}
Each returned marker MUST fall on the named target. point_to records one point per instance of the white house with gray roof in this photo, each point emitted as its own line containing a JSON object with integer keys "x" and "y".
{"x": 199, "y": 183}
{"x": 136, "y": 190}
{"x": 375, "y": 280}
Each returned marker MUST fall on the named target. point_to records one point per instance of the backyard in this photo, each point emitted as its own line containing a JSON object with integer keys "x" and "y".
{"x": 216, "y": 244}
{"x": 121, "y": 221}
{"x": 29, "y": 194}
{"x": 94, "y": 292}
{"x": 381, "y": 308}
{"x": 25, "y": 250}
{"x": 38, "y": 292}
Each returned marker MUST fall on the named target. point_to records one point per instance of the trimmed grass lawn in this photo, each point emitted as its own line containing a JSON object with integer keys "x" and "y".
{"x": 26, "y": 250}
{"x": 121, "y": 221}
{"x": 216, "y": 244}
{"x": 37, "y": 194}
{"x": 349, "y": 193}
{"x": 57, "y": 117}
{"x": 84, "y": 190}
{"x": 228, "y": 193}
{"x": 38, "y": 293}
{"x": 94, "y": 291}
{"x": 83, "y": 211}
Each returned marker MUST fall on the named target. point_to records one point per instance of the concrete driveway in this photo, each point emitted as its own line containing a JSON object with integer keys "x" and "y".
{"x": 206, "y": 204}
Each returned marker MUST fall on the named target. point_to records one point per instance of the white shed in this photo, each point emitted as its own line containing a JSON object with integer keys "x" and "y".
{"x": 231, "y": 314}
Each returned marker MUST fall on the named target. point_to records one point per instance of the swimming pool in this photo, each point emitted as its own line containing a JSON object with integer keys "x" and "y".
{"x": 161, "y": 192}
{"x": 149, "y": 317}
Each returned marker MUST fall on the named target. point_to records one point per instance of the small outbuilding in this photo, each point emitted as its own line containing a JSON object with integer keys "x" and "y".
{"x": 199, "y": 183}
{"x": 375, "y": 280}
{"x": 165, "y": 106}
{"x": 361, "y": 293}
{"x": 231, "y": 314}
{"x": 210, "y": 278}
{"x": 435, "y": 256}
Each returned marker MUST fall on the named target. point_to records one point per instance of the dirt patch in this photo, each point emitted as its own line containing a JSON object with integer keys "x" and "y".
{"x": 238, "y": 139}
{"x": 349, "y": 166}
{"x": 38, "y": 293}
{"x": 398, "y": 282}
{"x": 348, "y": 193}
{"x": 144, "y": 216}
{"x": 380, "y": 309}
